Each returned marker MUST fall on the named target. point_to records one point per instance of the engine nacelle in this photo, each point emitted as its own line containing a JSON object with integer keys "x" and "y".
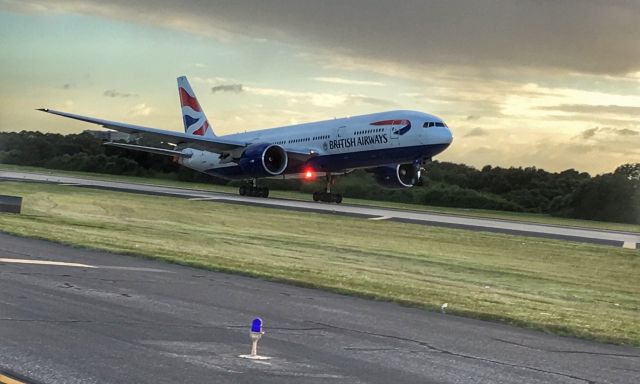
{"x": 263, "y": 160}
{"x": 398, "y": 176}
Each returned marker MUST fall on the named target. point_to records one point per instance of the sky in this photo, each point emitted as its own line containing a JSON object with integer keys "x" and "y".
{"x": 553, "y": 84}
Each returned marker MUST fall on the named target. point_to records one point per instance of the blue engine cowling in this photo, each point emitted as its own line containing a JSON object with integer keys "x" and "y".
{"x": 397, "y": 176}
{"x": 263, "y": 160}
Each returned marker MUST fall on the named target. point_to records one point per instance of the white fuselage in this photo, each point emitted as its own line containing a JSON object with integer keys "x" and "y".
{"x": 342, "y": 144}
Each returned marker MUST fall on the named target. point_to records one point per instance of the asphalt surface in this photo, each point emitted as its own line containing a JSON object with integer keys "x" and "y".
{"x": 119, "y": 319}
{"x": 606, "y": 237}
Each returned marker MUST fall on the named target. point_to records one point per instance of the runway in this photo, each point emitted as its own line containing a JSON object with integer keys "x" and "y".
{"x": 79, "y": 316}
{"x": 606, "y": 237}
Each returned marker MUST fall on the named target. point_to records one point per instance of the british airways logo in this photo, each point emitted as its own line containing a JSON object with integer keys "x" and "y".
{"x": 192, "y": 114}
{"x": 186, "y": 100}
{"x": 398, "y": 128}
{"x": 406, "y": 126}
{"x": 357, "y": 142}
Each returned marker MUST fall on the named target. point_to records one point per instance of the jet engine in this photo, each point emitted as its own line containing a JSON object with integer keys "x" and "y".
{"x": 398, "y": 176}
{"x": 263, "y": 160}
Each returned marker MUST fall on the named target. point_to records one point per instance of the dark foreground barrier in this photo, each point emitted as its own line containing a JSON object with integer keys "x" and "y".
{"x": 11, "y": 204}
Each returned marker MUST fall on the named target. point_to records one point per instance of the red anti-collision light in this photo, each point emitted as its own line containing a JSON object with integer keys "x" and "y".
{"x": 309, "y": 174}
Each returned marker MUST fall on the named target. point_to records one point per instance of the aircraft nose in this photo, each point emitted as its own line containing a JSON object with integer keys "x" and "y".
{"x": 441, "y": 135}
{"x": 448, "y": 135}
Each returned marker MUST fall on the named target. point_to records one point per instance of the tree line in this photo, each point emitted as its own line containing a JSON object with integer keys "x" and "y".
{"x": 612, "y": 196}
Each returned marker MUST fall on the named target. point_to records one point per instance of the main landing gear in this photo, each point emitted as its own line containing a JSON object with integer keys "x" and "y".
{"x": 326, "y": 195}
{"x": 253, "y": 190}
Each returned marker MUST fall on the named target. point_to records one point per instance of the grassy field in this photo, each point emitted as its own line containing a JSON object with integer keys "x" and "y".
{"x": 527, "y": 217}
{"x": 561, "y": 287}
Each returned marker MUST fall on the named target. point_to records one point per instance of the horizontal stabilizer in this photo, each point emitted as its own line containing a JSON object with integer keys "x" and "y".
{"x": 159, "y": 151}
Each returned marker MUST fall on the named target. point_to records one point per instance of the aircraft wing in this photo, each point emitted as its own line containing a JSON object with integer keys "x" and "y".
{"x": 158, "y": 151}
{"x": 207, "y": 144}
{"x": 215, "y": 144}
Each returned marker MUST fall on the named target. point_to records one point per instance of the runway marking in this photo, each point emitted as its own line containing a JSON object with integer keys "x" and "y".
{"x": 138, "y": 269}
{"x": 4, "y": 379}
{"x": 79, "y": 265}
{"x": 255, "y": 357}
{"x": 64, "y": 264}
{"x": 380, "y": 218}
{"x": 45, "y": 262}
{"x": 203, "y": 198}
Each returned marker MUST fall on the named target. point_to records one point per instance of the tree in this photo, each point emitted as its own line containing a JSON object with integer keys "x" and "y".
{"x": 609, "y": 197}
{"x": 631, "y": 171}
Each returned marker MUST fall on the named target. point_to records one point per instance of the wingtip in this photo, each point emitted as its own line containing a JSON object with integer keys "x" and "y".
{"x": 43, "y": 109}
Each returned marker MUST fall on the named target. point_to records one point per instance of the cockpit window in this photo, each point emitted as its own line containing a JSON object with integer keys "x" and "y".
{"x": 430, "y": 124}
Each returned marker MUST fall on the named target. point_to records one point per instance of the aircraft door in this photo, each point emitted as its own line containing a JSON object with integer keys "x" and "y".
{"x": 342, "y": 131}
{"x": 394, "y": 134}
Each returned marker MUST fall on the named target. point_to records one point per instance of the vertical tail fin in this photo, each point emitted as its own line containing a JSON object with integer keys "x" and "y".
{"x": 195, "y": 121}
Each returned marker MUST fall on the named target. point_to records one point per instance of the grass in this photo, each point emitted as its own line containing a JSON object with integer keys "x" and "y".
{"x": 526, "y": 217}
{"x": 565, "y": 288}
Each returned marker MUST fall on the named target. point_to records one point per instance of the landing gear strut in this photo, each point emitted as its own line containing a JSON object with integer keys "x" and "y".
{"x": 326, "y": 195}
{"x": 253, "y": 190}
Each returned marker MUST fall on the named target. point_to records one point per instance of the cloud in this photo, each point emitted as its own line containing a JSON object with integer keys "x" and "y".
{"x": 114, "y": 93}
{"x": 67, "y": 104}
{"x": 319, "y": 99}
{"x": 235, "y": 88}
{"x": 141, "y": 109}
{"x": 589, "y": 133}
{"x": 477, "y": 132}
{"x": 360, "y": 99}
{"x": 327, "y": 100}
{"x": 598, "y": 109}
{"x": 566, "y": 36}
{"x": 208, "y": 80}
{"x": 338, "y": 80}
{"x": 627, "y": 132}
{"x": 603, "y": 152}
{"x": 521, "y": 65}
{"x": 416, "y": 95}
{"x": 608, "y": 131}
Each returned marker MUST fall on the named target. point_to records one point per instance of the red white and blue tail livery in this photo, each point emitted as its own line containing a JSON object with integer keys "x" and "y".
{"x": 195, "y": 121}
{"x": 391, "y": 145}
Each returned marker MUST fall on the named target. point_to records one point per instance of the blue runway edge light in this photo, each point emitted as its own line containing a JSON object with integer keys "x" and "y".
{"x": 256, "y": 325}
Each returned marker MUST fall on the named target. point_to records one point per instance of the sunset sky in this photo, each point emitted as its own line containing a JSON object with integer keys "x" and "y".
{"x": 551, "y": 84}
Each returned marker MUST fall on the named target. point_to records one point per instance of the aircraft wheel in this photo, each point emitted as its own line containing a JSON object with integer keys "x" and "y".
{"x": 243, "y": 190}
{"x": 337, "y": 198}
{"x": 264, "y": 192}
{"x": 316, "y": 196}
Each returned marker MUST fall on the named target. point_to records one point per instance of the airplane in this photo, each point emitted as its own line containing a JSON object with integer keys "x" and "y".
{"x": 392, "y": 145}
